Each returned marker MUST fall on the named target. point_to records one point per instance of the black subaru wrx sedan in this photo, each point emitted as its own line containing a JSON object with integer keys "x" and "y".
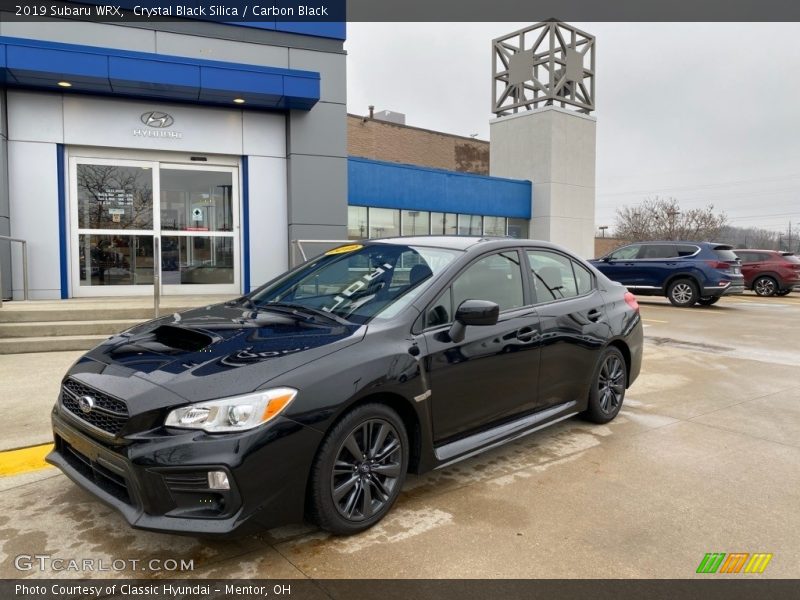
{"x": 314, "y": 395}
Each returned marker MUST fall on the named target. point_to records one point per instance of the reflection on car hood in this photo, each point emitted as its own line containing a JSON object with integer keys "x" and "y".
{"x": 195, "y": 352}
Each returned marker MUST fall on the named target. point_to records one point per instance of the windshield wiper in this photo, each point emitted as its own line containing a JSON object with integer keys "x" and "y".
{"x": 301, "y": 309}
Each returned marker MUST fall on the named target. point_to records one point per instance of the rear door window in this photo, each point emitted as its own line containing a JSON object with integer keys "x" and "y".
{"x": 555, "y": 276}
{"x": 686, "y": 250}
{"x": 656, "y": 251}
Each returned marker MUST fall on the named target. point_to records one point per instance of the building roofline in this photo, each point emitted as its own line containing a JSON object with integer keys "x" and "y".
{"x": 452, "y": 135}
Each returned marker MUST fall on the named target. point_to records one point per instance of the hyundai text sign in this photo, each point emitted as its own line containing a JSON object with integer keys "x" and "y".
{"x": 157, "y": 124}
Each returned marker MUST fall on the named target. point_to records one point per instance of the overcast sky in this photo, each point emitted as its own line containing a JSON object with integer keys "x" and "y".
{"x": 702, "y": 112}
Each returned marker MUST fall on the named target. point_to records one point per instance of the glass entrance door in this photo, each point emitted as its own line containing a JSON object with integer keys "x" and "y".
{"x": 118, "y": 207}
{"x": 199, "y": 210}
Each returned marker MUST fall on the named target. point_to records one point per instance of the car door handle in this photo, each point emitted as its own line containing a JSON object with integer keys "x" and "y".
{"x": 594, "y": 315}
{"x": 526, "y": 334}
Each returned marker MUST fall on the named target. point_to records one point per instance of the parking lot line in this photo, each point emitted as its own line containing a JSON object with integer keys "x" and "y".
{"x": 654, "y": 321}
{"x": 24, "y": 460}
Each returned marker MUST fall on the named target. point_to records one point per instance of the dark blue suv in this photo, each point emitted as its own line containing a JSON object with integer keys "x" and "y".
{"x": 685, "y": 272}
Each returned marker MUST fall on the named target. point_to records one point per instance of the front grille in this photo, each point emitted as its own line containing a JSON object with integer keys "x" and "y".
{"x": 104, "y": 478}
{"x": 108, "y": 413}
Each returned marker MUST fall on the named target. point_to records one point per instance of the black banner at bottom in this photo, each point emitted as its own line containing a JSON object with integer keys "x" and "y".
{"x": 398, "y": 589}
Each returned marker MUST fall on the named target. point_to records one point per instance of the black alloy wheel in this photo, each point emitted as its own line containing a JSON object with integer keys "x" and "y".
{"x": 682, "y": 292}
{"x": 765, "y": 286}
{"x": 360, "y": 470}
{"x": 608, "y": 387}
{"x": 708, "y": 300}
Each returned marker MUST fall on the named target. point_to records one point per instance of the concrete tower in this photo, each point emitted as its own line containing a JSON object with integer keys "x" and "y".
{"x": 543, "y": 96}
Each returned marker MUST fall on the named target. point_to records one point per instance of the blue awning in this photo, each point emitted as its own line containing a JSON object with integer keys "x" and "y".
{"x": 411, "y": 187}
{"x": 42, "y": 65}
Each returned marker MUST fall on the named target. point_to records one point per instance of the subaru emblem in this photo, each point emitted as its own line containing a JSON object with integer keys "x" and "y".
{"x": 86, "y": 404}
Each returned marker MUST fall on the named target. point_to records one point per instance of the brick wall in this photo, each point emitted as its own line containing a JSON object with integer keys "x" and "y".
{"x": 604, "y": 245}
{"x": 380, "y": 140}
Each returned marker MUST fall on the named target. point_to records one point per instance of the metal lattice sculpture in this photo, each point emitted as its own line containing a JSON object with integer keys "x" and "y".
{"x": 547, "y": 64}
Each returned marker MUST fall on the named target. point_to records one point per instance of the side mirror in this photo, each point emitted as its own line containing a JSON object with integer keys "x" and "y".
{"x": 606, "y": 259}
{"x": 473, "y": 312}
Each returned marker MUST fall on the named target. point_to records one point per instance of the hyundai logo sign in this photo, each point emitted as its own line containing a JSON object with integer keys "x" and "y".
{"x": 86, "y": 404}
{"x": 157, "y": 119}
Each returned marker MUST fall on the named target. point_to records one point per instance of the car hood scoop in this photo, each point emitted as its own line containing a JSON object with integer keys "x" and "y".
{"x": 195, "y": 352}
{"x": 181, "y": 338}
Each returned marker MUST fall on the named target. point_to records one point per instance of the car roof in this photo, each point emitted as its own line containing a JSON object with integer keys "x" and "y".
{"x": 463, "y": 242}
{"x": 718, "y": 245}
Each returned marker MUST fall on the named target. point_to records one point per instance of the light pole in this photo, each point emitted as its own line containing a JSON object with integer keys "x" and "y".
{"x": 603, "y": 228}
{"x": 672, "y": 214}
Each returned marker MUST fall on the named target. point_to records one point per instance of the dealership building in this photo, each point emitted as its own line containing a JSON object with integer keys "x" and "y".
{"x": 197, "y": 154}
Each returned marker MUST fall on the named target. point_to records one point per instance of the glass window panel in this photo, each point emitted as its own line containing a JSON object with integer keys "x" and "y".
{"x": 439, "y": 313}
{"x": 494, "y": 226}
{"x": 450, "y": 224}
{"x": 384, "y": 222}
{"x": 583, "y": 278}
{"x": 416, "y": 222}
{"x": 437, "y": 223}
{"x": 114, "y": 197}
{"x": 194, "y": 200}
{"x": 470, "y": 225}
{"x": 497, "y": 278}
{"x": 625, "y": 253}
{"x": 518, "y": 228}
{"x": 553, "y": 277}
{"x": 115, "y": 259}
{"x": 356, "y": 222}
{"x": 196, "y": 260}
{"x": 444, "y": 223}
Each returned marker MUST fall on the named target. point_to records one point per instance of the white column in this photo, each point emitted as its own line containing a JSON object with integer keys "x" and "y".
{"x": 555, "y": 149}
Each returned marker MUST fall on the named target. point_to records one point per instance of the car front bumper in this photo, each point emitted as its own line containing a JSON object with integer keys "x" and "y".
{"x": 158, "y": 480}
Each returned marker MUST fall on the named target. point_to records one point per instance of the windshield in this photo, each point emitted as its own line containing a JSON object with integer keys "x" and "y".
{"x": 358, "y": 282}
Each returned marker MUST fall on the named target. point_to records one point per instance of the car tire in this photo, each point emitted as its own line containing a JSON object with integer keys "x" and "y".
{"x": 348, "y": 493}
{"x": 708, "y": 300}
{"x": 765, "y": 286}
{"x": 783, "y": 292}
{"x": 682, "y": 293}
{"x": 608, "y": 386}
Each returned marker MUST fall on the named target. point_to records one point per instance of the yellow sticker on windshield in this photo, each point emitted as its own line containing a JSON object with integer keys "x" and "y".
{"x": 343, "y": 249}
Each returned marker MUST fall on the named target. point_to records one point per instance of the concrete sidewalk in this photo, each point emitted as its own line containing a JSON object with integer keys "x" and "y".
{"x": 29, "y": 385}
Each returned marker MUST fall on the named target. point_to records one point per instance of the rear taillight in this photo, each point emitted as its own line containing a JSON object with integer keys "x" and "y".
{"x": 631, "y": 301}
{"x": 719, "y": 264}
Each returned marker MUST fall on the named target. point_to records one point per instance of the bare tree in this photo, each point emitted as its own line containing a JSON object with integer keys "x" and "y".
{"x": 662, "y": 219}
{"x": 750, "y": 237}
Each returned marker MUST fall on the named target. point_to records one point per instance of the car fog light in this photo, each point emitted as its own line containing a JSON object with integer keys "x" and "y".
{"x": 218, "y": 480}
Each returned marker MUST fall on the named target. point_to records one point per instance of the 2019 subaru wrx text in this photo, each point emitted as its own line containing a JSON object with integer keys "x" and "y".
{"x": 314, "y": 395}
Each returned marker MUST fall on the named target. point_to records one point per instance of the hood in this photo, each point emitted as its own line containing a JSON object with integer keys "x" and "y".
{"x": 221, "y": 349}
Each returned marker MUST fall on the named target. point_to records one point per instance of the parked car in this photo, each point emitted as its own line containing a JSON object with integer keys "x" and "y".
{"x": 317, "y": 392}
{"x": 685, "y": 272}
{"x": 769, "y": 272}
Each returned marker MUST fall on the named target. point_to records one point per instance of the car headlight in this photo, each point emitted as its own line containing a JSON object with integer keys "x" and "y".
{"x": 238, "y": 413}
